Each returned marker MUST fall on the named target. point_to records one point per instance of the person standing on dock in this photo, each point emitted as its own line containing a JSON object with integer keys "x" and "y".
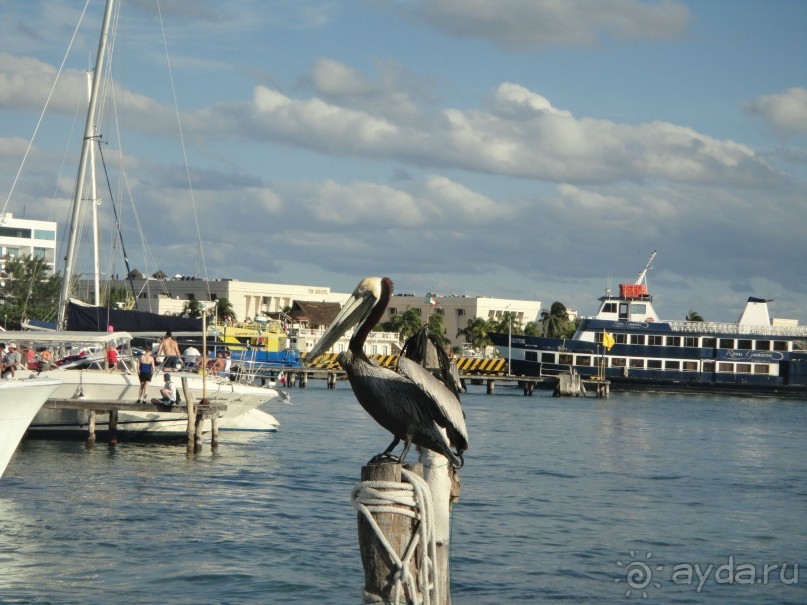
{"x": 170, "y": 348}
{"x": 145, "y": 371}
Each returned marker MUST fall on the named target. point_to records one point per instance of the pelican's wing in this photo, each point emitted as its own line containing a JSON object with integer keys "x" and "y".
{"x": 446, "y": 404}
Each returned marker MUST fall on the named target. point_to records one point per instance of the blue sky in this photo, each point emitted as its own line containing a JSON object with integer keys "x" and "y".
{"x": 510, "y": 148}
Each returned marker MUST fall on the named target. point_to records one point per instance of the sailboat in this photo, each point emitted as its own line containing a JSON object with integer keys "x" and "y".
{"x": 87, "y": 376}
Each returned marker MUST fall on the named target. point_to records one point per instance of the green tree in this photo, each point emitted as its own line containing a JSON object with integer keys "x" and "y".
{"x": 115, "y": 295}
{"x": 28, "y": 291}
{"x": 405, "y": 324}
{"x": 533, "y": 328}
{"x": 193, "y": 308}
{"x": 225, "y": 310}
{"x": 694, "y": 316}
{"x": 508, "y": 323}
{"x": 437, "y": 327}
{"x": 555, "y": 322}
{"x": 476, "y": 332}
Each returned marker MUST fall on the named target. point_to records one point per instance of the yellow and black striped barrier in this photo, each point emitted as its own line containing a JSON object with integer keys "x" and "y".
{"x": 467, "y": 365}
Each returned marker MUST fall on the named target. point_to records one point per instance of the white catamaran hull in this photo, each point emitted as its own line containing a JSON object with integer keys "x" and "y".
{"x": 20, "y": 400}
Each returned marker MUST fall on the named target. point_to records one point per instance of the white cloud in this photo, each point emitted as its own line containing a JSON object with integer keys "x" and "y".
{"x": 785, "y": 112}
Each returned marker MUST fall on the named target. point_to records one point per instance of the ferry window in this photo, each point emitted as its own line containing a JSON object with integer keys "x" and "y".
{"x": 620, "y": 338}
{"x": 690, "y": 341}
{"x": 725, "y": 367}
{"x": 584, "y": 360}
{"x": 638, "y": 308}
{"x": 672, "y": 364}
{"x": 762, "y": 368}
{"x": 618, "y": 362}
{"x": 708, "y": 366}
{"x": 637, "y": 339}
{"x": 637, "y": 363}
{"x": 609, "y": 308}
{"x": 655, "y": 340}
{"x": 546, "y": 357}
{"x": 690, "y": 366}
{"x": 709, "y": 341}
{"x": 673, "y": 341}
{"x": 531, "y": 355}
{"x": 654, "y": 364}
{"x": 744, "y": 344}
{"x": 763, "y": 345}
{"x": 623, "y": 310}
{"x": 780, "y": 345}
{"x": 743, "y": 368}
{"x": 726, "y": 343}
{"x": 565, "y": 359}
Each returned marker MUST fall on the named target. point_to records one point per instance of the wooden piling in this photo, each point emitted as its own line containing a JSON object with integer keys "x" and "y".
{"x": 197, "y": 436}
{"x": 214, "y": 432}
{"x": 331, "y": 380}
{"x": 90, "y": 443}
{"x": 491, "y": 385}
{"x": 379, "y": 567}
{"x": 113, "y": 427}
{"x": 191, "y": 414}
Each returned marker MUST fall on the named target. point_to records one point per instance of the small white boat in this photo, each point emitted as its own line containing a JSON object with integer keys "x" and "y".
{"x": 20, "y": 400}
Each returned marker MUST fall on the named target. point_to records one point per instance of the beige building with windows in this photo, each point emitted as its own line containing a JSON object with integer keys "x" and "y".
{"x": 256, "y": 299}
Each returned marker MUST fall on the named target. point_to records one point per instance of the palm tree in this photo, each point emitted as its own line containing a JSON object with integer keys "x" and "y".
{"x": 193, "y": 308}
{"x": 533, "y": 328}
{"x": 476, "y": 332}
{"x": 405, "y": 324}
{"x": 437, "y": 328}
{"x": 225, "y": 310}
{"x": 694, "y": 316}
{"x": 508, "y": 323}
{"x": 555, "y": 322}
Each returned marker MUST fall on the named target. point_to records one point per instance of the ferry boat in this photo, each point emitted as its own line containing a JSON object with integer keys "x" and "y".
{"x": 628, "y": 345}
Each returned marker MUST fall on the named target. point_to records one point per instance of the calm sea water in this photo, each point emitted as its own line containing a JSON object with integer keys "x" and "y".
{"x": 681, "y": 499}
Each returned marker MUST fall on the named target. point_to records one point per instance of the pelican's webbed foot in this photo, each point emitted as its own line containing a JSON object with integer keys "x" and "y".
{"x": 384, "y": 457}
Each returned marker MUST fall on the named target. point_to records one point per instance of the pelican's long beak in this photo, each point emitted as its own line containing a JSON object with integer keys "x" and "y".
{"x": 355, "y": 310}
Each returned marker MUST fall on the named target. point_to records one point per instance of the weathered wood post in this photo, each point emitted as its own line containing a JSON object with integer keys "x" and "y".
{"x": 331, "y": 382}
{"x": 113, "y": 427}
{"x": 491, "y": 386}
{"x": 444, "y": 485}
{"x": 214, "y": 431}
{"x": 90, "y": 430}
{"x": 386, "y": 539}
{"x": 197, "y": 435}
{"x": 191, "y": 414}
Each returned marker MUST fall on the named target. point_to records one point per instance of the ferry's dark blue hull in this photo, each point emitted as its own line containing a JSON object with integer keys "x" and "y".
{"x": 528, "y": 357}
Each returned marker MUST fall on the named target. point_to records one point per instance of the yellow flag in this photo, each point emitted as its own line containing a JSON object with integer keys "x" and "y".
{"x": 607, "y": 340}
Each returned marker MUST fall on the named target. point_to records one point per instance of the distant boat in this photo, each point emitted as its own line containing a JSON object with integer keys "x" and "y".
{"x": 627, "y": 344}
{"x": 20, "y": 400}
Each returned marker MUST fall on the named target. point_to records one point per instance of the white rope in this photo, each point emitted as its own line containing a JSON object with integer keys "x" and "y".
{"x": 411, "y": 499}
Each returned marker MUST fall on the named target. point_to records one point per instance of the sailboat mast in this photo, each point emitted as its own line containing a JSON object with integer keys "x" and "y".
{"x": 89, "y": 140}
{"x": 96, "y": 263}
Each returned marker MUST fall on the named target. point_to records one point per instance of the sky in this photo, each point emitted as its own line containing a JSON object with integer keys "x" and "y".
{"x": 528, "y": 149}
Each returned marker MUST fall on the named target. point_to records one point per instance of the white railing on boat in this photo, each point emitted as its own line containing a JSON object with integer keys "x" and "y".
{"x": 713, "y": 327}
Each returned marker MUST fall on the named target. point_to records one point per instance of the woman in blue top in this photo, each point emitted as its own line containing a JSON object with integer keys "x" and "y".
{"x": 145, "y": 370}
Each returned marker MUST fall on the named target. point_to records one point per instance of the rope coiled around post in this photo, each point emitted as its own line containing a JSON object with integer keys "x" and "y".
{"x": 412, "y": 499}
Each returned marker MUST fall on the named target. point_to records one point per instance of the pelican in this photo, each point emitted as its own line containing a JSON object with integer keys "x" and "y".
{"x": 411, "y": 403}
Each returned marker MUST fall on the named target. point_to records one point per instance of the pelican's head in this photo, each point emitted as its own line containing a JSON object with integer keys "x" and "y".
{"x": 357, "y": 308}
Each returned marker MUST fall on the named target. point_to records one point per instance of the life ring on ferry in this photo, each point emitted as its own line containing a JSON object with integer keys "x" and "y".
{"x": 649, "y": 319}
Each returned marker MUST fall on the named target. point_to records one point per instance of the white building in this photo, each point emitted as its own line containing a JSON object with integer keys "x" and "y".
{"x": 23, "y": 237}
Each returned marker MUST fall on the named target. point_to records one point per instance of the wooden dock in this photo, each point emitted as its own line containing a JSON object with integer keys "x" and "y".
{"x": 562, "y": 385}
{"x": 196, "y": 413}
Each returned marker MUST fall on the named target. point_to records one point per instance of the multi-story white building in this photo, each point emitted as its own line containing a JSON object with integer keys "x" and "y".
{"x": 24, "y": 237}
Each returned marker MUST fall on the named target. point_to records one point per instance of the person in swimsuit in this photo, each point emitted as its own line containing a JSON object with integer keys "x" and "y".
{"x": 145, "y": 370}
{"x": 170, "y": 348}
